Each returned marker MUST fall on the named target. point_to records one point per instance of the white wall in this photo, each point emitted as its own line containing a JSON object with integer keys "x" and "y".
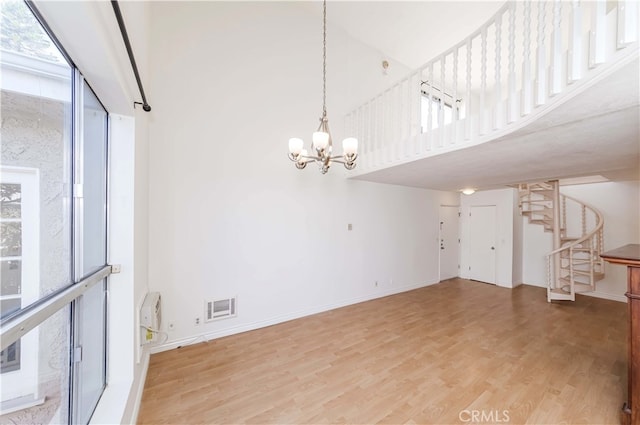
{"x": 230, "y": 215}
{"x": 620, "y": 204}
{"x": 504, "y": 200}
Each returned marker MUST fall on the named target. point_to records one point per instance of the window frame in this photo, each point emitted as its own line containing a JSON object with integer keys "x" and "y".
{"x": 16, "y": 325}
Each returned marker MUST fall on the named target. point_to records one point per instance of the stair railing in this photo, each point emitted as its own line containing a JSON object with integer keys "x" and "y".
{"x": 486, "y": 85}
{"x": 593, "y": 239}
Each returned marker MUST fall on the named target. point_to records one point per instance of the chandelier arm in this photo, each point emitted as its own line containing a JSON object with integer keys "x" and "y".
{"x": 340, "y": 158}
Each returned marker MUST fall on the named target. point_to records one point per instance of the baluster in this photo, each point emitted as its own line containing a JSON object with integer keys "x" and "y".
{"x": 388, "y": 142}
{"x": 383, "y": 128}
{"x": 483, "y": 82}
{"x": 375, "y": 128}
{"x": 393, "y": 106}
{"x": 541, "y": 76}
{"x": 512, "y": 95}
{"x": 410, "y": 111}
{"x": 371, "y": 139}
{"x": 584, "y": 220}
{"x": 556, "y": 50}
{"x": 574, "y": 62}
{"x": 430, "y": 114}
{"x": 498, "y": 105}
{"x": 401, "y": 118}
{"x": 398, "y": 118}
{"x": 467, "y": 101}
{"x": 454, "y": 101}
{"x": 527, "y": 88}
{"x": 564, "y": 215}
{"x": 378, "y": 128}
{"x": 441, "y": 134}
{"x": 597, "y": 35}
{"x": 362, "y": 137}
{"x": 627, "y": 23}
{"x": 418, "y": 111}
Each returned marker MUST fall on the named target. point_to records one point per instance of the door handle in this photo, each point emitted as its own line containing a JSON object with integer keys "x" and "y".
{"x": 493, "y": 247}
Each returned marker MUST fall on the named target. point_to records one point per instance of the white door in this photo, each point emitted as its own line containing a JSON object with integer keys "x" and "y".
{"x": 19, "y": 283}
{"x": 482, "y": 243}
{"x": 449, "y": 241}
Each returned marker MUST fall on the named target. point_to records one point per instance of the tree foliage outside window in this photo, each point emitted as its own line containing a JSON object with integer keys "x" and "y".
{"x": 21, "y": 33}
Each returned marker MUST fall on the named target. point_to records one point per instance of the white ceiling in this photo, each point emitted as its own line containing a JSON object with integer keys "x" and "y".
{"x": 411, "y": 32}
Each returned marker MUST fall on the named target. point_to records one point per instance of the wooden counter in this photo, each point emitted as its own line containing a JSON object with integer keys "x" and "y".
{"x": 629, "y": 255}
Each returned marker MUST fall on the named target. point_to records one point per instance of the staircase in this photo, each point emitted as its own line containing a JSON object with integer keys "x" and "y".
{"x": 574, "y": 265}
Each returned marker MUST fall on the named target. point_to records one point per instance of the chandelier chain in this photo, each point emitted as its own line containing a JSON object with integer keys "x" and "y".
{"x": 324, "y": 58}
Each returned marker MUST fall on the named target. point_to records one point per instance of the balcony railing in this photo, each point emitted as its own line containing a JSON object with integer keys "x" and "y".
{"x": 518, "y": 65}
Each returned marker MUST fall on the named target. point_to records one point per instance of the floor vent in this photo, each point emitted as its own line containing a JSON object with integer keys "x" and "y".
{"x": 220, "y": 309}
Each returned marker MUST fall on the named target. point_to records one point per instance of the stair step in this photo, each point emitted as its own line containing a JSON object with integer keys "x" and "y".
{"x": 579, "y": 249}
{"x": 541, "y": 191}
{"x": 559, "y": 294}
{"x": 547, "y": 212}
{"x": 540, "y": 221}
{"x": 577, "y": 286}
{"x": 596, "y": 275}
{"x": 577, "y": 261}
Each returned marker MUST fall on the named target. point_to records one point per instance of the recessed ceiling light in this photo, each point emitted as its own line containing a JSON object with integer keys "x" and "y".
{"x": 468, "y": 191}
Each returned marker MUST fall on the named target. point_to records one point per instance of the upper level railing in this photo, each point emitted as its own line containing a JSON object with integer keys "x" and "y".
{"x": 514, "y": 66}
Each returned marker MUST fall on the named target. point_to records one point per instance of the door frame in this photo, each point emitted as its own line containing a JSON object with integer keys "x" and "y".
{"x": 458, "y": 253}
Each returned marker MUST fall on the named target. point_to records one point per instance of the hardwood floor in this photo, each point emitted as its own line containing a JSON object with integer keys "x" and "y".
{"x": 432, "y": 355}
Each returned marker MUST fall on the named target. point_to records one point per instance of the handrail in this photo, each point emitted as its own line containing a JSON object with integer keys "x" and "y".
{"x": 598, "y": 227}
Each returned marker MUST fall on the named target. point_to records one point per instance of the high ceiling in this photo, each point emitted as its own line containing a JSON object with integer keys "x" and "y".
{"x": 411, "y": 32}
{"x": 597, "y": 133}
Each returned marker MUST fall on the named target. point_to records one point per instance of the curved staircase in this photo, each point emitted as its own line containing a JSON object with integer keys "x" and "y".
{"x": 574, "y": 265}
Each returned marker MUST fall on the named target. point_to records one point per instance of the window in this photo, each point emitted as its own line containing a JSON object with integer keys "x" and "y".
{"x": 53, "y": 227}
{"x": 438, "y": 109}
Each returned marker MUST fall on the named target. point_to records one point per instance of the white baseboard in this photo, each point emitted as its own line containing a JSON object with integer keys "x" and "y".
{"x": 604, "y": 295}
{"x": 280, "y": 319}
{"x": 596, "y": 294}
{"x": 135, "y": 396}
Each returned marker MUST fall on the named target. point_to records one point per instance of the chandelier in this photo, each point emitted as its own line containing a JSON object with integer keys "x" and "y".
{"x": 321, "y": 138}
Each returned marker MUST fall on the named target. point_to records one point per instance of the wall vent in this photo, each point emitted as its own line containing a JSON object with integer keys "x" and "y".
{"x": 220, "y": 309}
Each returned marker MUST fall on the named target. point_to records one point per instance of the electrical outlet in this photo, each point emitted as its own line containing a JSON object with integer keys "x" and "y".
{"x": 197, "y": 321}
{"x": 390, "y": 281}
{"x": 376, "y": 283}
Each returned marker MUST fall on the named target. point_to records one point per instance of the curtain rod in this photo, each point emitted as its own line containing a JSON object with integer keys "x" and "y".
{"x": 125, "y": 38}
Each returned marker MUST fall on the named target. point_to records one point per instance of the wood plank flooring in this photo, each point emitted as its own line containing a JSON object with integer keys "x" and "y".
{"x": 432, "y": 355}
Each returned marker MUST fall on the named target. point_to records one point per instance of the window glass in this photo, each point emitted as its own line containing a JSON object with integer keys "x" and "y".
{"x": 94, "y": 181}
{"x": 91, "y": 371}
{"x": 35, "y": 374}
{"x": 35, "y": 105}
{"x": 437, "y": 110}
